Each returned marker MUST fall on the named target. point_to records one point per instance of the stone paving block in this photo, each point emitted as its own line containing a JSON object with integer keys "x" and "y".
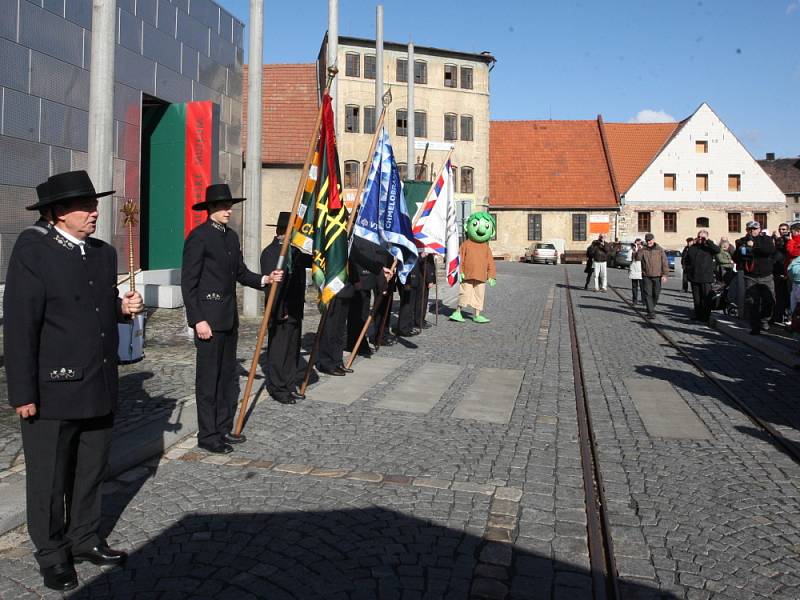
{"x": 475, "y": 488}
{"x": 508, "y": 493}
{"x": 430, "y": 482}
{"x": 328, "y": 473}
{"x": 294, "y": 468}
{"x": 365, "y": 476}
{"x": 215, "y": 459}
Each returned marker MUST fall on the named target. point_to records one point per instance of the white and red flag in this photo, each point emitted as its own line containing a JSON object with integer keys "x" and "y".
{"x": 435, "y": 229}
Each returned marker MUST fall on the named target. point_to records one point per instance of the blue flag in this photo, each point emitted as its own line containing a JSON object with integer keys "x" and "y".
{"x": 383, "y": 218}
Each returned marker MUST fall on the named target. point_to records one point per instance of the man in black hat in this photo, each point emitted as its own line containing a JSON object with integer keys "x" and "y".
{"x": 61, "y": 310}
{"x": 286, "y": 320}
{"x": 212, "y": 264}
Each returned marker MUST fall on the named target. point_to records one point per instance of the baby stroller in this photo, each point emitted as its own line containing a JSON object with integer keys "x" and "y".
{"x": 724, "y": 293}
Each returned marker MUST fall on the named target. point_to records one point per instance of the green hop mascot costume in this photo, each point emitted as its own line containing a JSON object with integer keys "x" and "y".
{"x": 477, "y": 265}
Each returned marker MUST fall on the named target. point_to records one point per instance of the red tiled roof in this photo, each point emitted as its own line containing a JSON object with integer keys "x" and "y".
{"x": 290, "y": 105}
{"x": 633, "y": 146}
{"x": 548, "y": 164}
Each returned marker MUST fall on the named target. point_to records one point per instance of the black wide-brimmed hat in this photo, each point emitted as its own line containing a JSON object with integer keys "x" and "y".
{"x": 284, "y": 218}
{"x": 65, "y": 187}
{"x": 219, "y": 192}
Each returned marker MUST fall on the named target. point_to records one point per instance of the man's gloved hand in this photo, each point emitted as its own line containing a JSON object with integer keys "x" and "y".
{"x": 492, "y": 282}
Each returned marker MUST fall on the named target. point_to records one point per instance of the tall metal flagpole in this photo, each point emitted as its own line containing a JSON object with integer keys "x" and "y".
{"x": 378, "y": 57}
{"x": 411, "y": 169}
{"x": 101, "y": 108}
{"x": 333, "y": 53}
{"x": 251, "y": 238}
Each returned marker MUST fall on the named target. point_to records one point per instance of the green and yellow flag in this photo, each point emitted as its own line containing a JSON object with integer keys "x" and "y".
{"x": 321, "y": 220}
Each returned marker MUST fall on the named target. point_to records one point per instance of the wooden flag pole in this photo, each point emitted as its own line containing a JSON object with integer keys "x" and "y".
{"x": 364, "y": 329}
{"x": 424, "y": 308}
{"x": 273, "y": 289}
{"x": 385, "y": 317}
{"x": 387, "y": 99}
{"x": 436, "y": 285}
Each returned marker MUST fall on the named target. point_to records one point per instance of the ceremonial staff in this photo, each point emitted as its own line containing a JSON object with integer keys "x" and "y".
{"x": 387, "y": 100}
{"x": 273, "y": 288}
{"x": 129, "y": 212}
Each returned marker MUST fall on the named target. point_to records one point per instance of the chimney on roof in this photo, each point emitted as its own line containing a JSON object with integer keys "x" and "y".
{"x": 770, "y": 156}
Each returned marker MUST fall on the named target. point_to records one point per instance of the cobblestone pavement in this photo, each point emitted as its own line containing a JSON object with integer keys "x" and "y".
{"x": 355, "y": 501}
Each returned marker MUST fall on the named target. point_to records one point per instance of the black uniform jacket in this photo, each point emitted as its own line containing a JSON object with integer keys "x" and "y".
{"x": 212, "y": 264}
{"x": 291, "y": 295}
{"x": 699, "y": 262}
{"x": 60, "y": 326}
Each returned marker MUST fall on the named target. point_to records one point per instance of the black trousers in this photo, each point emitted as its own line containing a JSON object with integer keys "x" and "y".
{"x": 781, "y": 298}
{"x": 216, "y": 385}
{"x": 423, "y": 295}
{"x": 701, "y": 296}
{"x": 383, "y": 309}
{"x": 331, "y": 342}
{"x": 357, "y": 315}
{"x": 759, "y": 300}
{"x": 651, "y": 290}
{"x": 65, "y": 464}
{"x": 283, "y": 356}
{"x": 408, "y": 312}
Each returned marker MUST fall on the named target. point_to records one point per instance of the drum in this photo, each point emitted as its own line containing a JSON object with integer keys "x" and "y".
{"x": 131, "y": 340}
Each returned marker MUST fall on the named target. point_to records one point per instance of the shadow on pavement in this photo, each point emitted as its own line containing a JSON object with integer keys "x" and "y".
{"x": 359, "y": 553}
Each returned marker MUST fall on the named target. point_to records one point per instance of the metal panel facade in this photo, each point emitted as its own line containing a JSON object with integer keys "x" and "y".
{"x": 175, "y": 50}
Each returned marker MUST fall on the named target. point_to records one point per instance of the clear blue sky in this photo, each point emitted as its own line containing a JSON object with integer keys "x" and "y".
{"x": 574, "y": 60}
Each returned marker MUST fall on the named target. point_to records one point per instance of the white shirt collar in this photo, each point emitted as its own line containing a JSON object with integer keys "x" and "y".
{"x": 72, "y": 238}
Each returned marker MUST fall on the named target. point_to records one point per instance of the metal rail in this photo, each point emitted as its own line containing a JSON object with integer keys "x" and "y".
{"x": 601, "y": 550}
{"x": 788, "y": 446}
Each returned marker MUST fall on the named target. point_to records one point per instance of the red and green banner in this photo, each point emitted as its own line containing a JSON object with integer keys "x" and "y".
{"x": 200, "y": 153}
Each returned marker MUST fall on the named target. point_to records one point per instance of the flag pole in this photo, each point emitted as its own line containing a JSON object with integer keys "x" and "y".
{"x": 386, "y": 311}
{"x": 430, "y": 189}
{"x": 273, "y": 289}
{"x": 364, "y": 329}
{"x": 424, "y": 308}
{"x": 387, "y": 99}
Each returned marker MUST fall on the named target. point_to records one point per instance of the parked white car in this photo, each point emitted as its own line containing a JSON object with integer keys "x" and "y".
{"x": 541, "y": 252}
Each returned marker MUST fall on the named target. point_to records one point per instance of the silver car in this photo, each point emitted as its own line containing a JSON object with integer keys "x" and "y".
{"x": 541, "y": 253}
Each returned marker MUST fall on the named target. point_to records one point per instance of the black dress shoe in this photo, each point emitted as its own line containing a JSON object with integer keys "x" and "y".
{"x": 426, "y": 325}
{"x": 220, "y": 448}
{"x": 343, "y": 369}
{"x": 232, "y": 438}
{"x": 297, "y": 395}
{"x": 61, "y": 577}
{"x": 101, "y": 555}
{"x": 335, "y": 372}
{"x": 284, "y": 398}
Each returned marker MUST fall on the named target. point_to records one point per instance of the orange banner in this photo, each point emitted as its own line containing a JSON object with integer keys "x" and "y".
{"x": 199, "y": 158}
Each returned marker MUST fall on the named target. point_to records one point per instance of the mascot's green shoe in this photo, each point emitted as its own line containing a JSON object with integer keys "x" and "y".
{"x": 457, "y": 316}
{"x": 480, "y": 319}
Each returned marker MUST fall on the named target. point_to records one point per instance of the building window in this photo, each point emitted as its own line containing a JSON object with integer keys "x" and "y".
{"x": 643, "y": 222}
{"x": 369, "y": 66}
{"x": 734, "y": 183}
{"x": 701, "y": 182}
{"x": 670, "y": 222}
{"x": 351, "y": 173}
{"x": 420, "y": 124}
{"x": 351, "y": 118}
{"x": 701, "y": 222}
{"x": 401, "y": 73}
{"x": 450, "y": 76}
{"x": 466, "y": 78}
{"x": 534, "y": 228}
{"x": 401, "y": 122}
{"x": 494, "y": 218}
{"x": 402, "y": 170}
{"x": 734, "y": 222}
{"x": 579, "y": 228}
{"x": 420, "y": 71}
{"x": 450, "y": 126}
{"x": 701, "y": 147}
{"x": 761, "y": 218}
{"x": 669, "y": 182}
{"x": 352, "y": 64}
{"x": 466, "y": 128}
{"x": 369, "y": 119}
{"x": 467, "y": 180}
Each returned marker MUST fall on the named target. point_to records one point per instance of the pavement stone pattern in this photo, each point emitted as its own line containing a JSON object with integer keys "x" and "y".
{"x": 358, "y": 501}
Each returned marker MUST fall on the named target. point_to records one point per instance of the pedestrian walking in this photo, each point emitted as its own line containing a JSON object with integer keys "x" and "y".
{"x": 589, "y": 268}
{"x": 286, "y": 320}
{"x": 779, "y": 278}
{"x": 212, "y": 264}
{"x": 684, "y": 276}
{"x": 600, "y": 250}
{"x": 699, "y": 269}
{"x": 655, "y": 270}
{"x": 755, "y": 257}
{"x": 635, "y": 273}
{"x": 61, "y": 309}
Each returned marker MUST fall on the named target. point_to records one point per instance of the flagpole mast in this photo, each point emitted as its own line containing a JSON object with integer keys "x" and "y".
{"x": 273, "y": 289}
{"x": 430, "y": 189}
{"x": 387, "y": 100}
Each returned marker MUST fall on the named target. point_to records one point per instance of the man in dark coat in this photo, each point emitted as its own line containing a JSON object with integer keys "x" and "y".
{"x": 755, "y": 256}
{"x": 212, "y": 264}
{"x": 409, "y": 303}
{"x": 698, "y": 265}
{"x": 369, "y": 271}
{"x": 427, "y": 271}
{"x": 286, "y": 320}
{"x": 61, "y": 309}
